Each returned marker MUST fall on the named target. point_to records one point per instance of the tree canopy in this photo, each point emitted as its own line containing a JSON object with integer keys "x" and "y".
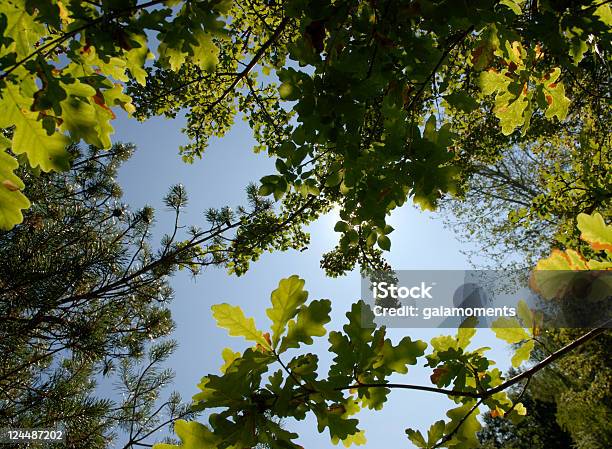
{"x": 363, "y": 132}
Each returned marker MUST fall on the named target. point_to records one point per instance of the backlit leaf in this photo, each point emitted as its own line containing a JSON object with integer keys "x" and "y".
{"x": 509, "y": 330}
{"x": 233, "y": 320}
{"x": 228, "y": 358}
{"x": 12, "y": 200}
{"x": 309, "y": 322}
{"x": 285, "y": 300}
{"x": 595, "y": 231}
{"x": 522, "y": 353}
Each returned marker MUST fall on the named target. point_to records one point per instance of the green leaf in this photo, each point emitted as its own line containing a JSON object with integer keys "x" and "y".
{"x": 285, "y": 300}
{"x": 373, "y": 398}
{"x": 416, "y": 438}
{"x": 172, "y": 56}
{"x": 205, "y": 53}
{"x": 237, "y": 381}
{"x": 22, "y": 28}
{"x": 309, "y": 322}
{"x": 352, "y": 236}
{"x": 289, "y": 91}
{"x": 136, "y": 58}
{"x": 266, "y": 189}
{"x": 341, "y": 226}
{"x": 80, "y": 118}
{"x": 397, "y": 358}
{"x": 233, "y": 320}
{"x": 429, "y": 132}
{"x": 333, "y": 179}
{"x": 467, "y": 426}
{"x": 461, "y": 101}
{"x": 12, "y": 200}
{"x": 578, "y": 48}
{"x": 435, "y": 432}
{"x": 361, "y": 323}
{"x": 509, "y": 330}
{"x": 384, "y": 243}
{"x": 522, "y": 353}
{"x": 338, "y": 426}
{"x": 594, "y": 230}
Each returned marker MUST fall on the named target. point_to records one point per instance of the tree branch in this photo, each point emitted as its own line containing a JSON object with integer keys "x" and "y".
{"x": 469, "y": 394}
{"x": 456, "y": 429}
{"x": 484, "y": 395}
{"x": 240, "y": 75}
{"x": 437, "y": 66}
{"x": 551, "y": 358}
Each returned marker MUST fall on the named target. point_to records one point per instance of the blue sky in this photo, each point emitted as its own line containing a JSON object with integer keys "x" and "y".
{"x": 419, "y": 242}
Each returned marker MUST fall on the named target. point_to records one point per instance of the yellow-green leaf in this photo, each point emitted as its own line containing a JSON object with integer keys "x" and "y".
{"x": 30, "y": 138}
{"x": 509, "y": 330}
{"x": 466, "y": 433}
{"x": 22, "y": 28}
{"x": 562, "y": 260}
{"x": 81, "y": 120}
{"x": 525, "y": 313}
{"x": 285, "y": 300}
{"x": 517, "y": 413}
{"x": 135, "y": 58}
{"x": 228, "y": 358}
{"x": 116, "y": 97}
{"x": 205, "y": 53}
{"x": 510, "y": 111}
{"x": 600, "y": 265}
{"x": 466, "y": 331}
{"x": 553, "y": 274}
{"x": 492, "y": 81}
{"x": 522, "y": 353}
{"x": 193, "y": 435}
{"x": 47, "y": 151}
{"x": 233, "y": 320}
{"x": 558, "y": 103}
{"x": 514, "y": 5}
{"x": 310, "y": 322}
{"x": 595, "y": 231}
{"x": 12, "y": 200}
